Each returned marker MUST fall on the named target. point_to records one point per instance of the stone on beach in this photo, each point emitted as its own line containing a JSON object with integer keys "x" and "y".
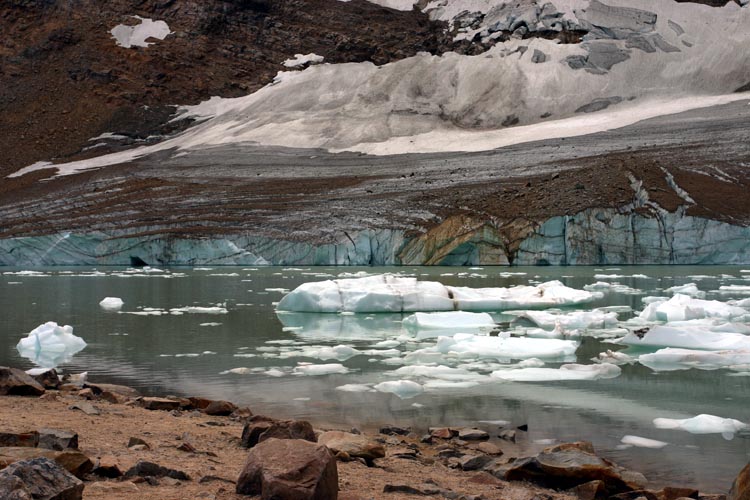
{"x": 73, "y": 461}
{"x": 289, "y": 469}
{"x": 259, "y": 428}
{"x": 355, "y": 445}
{"x": 39, "y": 478}
{"x": 15, "y": 382}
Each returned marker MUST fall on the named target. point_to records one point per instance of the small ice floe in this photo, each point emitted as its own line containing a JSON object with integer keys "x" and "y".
{"x": 690, "y": 289}
{"x": 573, "y": 320}
{"x": 302, "y": 60}
{"x": 450, "y": 321}
{"x": 390, "y": 293}
{"x": 438, "y": 372}
{"x": 387, "y": 344}
{"x": 603, "y": 286}
{"x": 682, "y": 307}
{"x": 703, "y": 424}
{"x": 642, "y": 442}
{"x": 688, "y": 338}
{"x": 404, "y": 389}
{"x": 238, "y": 371}
{"x": 199, "y": 310}
{"x": 481, "y": 347}
{"x": 111, "y": 303}
{"x": 565, "y": 372}
{"x": 355, "y": 388}
{"x": 136, "y": 36}
{"x": 671, "y": 359}
{"x": 210, "y": 324}
{"x": 499, "y": 423}
{"x": 50, "y": 345}
{"x": 614, "y": 357}
{"x": 274, "y": 372}
{"x": 327, "y": 369}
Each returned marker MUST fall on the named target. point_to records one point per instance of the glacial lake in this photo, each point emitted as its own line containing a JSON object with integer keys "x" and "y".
{"x": 191, "y": 353}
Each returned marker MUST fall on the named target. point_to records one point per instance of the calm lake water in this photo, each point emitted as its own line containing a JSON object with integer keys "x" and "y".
{"x": 186, "y": 355}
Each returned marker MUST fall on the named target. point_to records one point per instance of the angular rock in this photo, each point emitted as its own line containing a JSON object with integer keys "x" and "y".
{"x": 590, "y": 490}
{"x": 107, "y": 466}
{"x": 12, "y": 488}
{"x": 14, "y": 382}
{"x": 741, "y": 487}
{"x": 149, "y": 469}
{"x": 86, "y": 408}
{"x": 86, "y": 394}
{"x": 160, "y": 404}
{"x": 486, "y": 478}
{"x": 73, "y": 461}
{"x": 55, "y": 439}
{"x": 468, "y": 434}
{"x": 134, "y": 441}
{"x": 489, "y": 448}
{"x": 355, "y": 445}
{"x": 441, "y": 432}
{"x": 220, "y": 408}
{"x": 392, "y": 430}
{"x": 289, "y": 469}
{"x": 200, "y": 403}
{"x": 43, "y": 479}
{"x": 47, "y": 378}
{"x": 424, "y": 489}
{"x": 123, "y": 390}
{"x": 474, "y": 462}
{"x": 571, "y": 464}
{"x": 636, "y": 494}
{"x": 672, "y": 493}
{"x": 260, "y": 428}
{"x": 507, "y": 435}
{"x": 19, "y": 439}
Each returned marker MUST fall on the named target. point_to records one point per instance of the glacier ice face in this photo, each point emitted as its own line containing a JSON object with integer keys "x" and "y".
{"x": 565, "y": 372}
{"x": 111, "y": 303}
{"x": 389, "y": 293}
{"x": 50, "y": 345}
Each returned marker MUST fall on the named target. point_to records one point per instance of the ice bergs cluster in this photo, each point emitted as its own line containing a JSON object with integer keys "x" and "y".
{"x": 50, "y": 345}
{"x": 390, "y": 293}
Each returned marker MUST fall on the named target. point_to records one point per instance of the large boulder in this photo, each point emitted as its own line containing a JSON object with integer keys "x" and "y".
{"x": 741, "y": 487}
{"x": 42, "y": 479}
{"x": 73, "y": 461}
{"x": 47, "y": 377}
{"x": 354, "y": 445}
{"x": 569, "y": 465}
{"x": 260, "y": 428}
{"x": 289, "y": 469}
{"x": 162, "y": 404}
{"x": 14, "y": 382}
{"x": 20, "y": 439}
{"x": 55, "y": 439}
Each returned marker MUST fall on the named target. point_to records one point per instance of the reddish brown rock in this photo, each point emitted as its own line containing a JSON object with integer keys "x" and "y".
{"x": 259, "y": 428}
{"x": 200, "y": 403}
{"x": 354, "y": 445}
{"x": 160, "y": 404}
{"x": 55, "y": 439}
{"x": 441, "y": 432}
{"x": 741, "y": 487}
{"x": 590, "y": 490}
{"x": 672, "y": 493}
{"x": 107, "y": 466}
{"x": 220, "y": 408}
{"x": 122, "y": 390}
{"x": 289, "y": 469}
{"x": 47, "y": 378}
{"x": 14, "y": 382}
{"x": 19, "y": 439}
{"x": 73, "y": 461}
{"x": 42, "y": 478}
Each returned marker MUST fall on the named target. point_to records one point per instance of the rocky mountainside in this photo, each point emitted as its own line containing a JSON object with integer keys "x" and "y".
{"x": 458, "y": 132}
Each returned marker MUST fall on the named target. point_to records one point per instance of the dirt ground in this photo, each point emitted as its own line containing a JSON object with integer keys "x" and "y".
{"x": 107, "y": 435}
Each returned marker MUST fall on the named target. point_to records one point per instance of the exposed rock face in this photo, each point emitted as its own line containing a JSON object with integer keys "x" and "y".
{"x": 73, "y": 461}
{"x": 741, "y": 487}
{"x": 14, "y": 382}
{"x": 55, "y": 439}
{"x": 39, "y": 478}
{"x": 289, "y": 469}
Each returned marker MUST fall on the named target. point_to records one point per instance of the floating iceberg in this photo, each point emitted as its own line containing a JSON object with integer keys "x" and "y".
{"x": 328, "y": 369}
{"x": 389, "y": 293}
{"x": 671, "y": 359}
{"x": 452, "y": 321}
{"x": 688, "y": 338}
{"x": 405, "y": 389}
{"x": 50, "y": 345}
{"x": 565, "y": 372}
{"x": 703, "y": 424}
{"x": 682, "y": 307}
{"x": 465, "y": 345}
{"x": 690, "y": 289}
{"x": 111, "y": 303}
{"x": 573, "y": 320}
{"x": 439, "y": 372}
{"x": 642, "y": 442}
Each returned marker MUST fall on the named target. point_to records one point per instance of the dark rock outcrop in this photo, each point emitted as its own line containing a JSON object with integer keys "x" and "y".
{"x": 39, "y": 478}
{"x": 151, "y": 469}
{"x": 354, "y": 445}
{"x": 260, "y": 428}
{"x": 14, "y": 382}
{"x": 73, "y": 461}
{"x": 289, "y": 469}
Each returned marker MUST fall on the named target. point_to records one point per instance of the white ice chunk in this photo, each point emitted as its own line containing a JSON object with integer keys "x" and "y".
{"x": 642, "y": 442}
{"x": 475, "y": 346}
{"x": 111, "y": 303}
{"x": 572, "y": 320}
{"x": 303, "y": 60}
{"x": 50, "y": 345}
{"x": 688, "y": 338}
{"x": 565, "y": 372}
{"x": 136, "y": 36}
{"x": 389, "y": 293}
{"x": 438, "y": 372}
{"x": 682, "y": 307}
{"x": 355, "y": 388}
{"x": 199, "y": 310}
{"x": 690, "y": 289}
{"x": 339, "y": 352}
{"x": 703, "y": 424}
{"x": 671, "y": 359}
{"x": 320, "y": 369}
{"x": 454, "y": 321}
{"x": 404, "y": 389}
